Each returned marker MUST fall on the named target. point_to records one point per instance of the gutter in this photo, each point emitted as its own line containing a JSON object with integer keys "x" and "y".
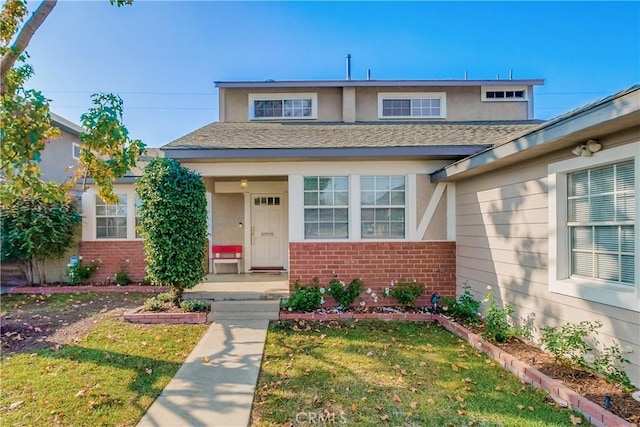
{"x": 375, "y": 83}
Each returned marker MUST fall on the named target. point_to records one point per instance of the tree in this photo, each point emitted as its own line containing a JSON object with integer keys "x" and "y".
{"x": 107, "y": 152}
{"x": 173, "y": 217}
{"x": 34, "y": 230}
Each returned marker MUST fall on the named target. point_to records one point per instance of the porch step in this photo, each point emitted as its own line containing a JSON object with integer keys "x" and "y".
{"x": 225, "y": 310}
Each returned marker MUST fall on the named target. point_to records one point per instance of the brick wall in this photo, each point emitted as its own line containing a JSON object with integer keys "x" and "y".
{"x": 377, "y": 263}
{"x": 113, "y": 256}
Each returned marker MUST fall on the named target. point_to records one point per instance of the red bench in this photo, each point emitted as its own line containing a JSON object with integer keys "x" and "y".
{"x": 225, "y": 254}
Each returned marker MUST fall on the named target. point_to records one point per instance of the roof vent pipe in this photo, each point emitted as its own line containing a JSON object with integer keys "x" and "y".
{"x": 466, "y": 75}
{"x": 348, "y": 66}
{"x": 368, "y": 74}
{"x": 510, "y": 74}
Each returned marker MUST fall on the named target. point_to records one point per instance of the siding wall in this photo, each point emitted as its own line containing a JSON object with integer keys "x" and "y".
{"x": 502, "y": 242}
{"x": 376, "y": 263}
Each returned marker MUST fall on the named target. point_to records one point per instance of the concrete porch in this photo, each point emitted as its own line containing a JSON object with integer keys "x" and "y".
{"x": 248, "y": 286}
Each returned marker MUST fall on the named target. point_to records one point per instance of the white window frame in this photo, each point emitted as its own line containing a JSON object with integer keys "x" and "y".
{"x": 389, "y": 206}
{"x": 327, "y": 207}
{"x": 126, "y": 216}
{"x": 442, "y": 96}
{"x": 75, "y": 147}
{"x": 89, "y": 225}
{"x": 486, "y": 89}
{"x": 625, "y": 296}
{"x": 283, "y": 96}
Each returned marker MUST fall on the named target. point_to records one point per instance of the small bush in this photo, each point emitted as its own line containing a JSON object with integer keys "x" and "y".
{"x": 345, "y": 295}
{"x": 164, "y": 297}
{"x": 153, "y": 304}
{"x": 406, "y": 293}
{"x": 304, "y": 298}
{"x": 606, "y": 365}
{"x": 121, "y": 278}
{"x": 193, "y": 305}
{"x": 446, "y": 303}
{"x": 568, "y": 344}
{"x": 79, "y": 273}
{"x": 466, "y": 307}
{"x": 497, "y": 325}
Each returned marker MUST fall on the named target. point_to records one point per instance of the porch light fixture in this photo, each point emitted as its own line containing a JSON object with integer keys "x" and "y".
{"x": 244, "y": 184}
{"x": 587, "y": 149}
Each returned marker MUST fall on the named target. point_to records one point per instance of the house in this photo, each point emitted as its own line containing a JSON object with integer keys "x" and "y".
{"x": 58, "y": 163}
{"x": 331, "y": 178}
{"x": 447, "y": 182}
{"x": 549, "y": 220}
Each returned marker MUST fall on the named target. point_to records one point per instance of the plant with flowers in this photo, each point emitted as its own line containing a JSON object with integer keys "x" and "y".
{"x": 305, "y": 298}
{"x": 405, "y": 292}
{"x": 343, "y": 294}
{"x": 78, "y": 273}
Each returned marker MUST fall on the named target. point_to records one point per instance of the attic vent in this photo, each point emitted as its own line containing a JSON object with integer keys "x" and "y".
{"x": 504, "y": 93}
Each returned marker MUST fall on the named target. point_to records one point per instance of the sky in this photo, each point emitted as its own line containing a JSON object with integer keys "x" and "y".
{"x": 163, "y": 57}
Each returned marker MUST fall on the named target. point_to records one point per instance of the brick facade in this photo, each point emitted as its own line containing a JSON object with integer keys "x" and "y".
{"x": 377, "y": 264}
{"x": 113, "y": 256}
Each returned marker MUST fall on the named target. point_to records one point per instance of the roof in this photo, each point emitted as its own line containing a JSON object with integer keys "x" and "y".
{"x": 305, "y": 136}
{"x": 615, "y": 112}
{"x": 66, "y": 125}
{"x": 375, "y": 83}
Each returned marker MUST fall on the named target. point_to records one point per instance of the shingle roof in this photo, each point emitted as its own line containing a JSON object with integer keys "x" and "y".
{"x": 349, "y": 135}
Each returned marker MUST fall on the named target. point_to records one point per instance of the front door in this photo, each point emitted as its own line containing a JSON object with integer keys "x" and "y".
{"x": 266, "y": 231}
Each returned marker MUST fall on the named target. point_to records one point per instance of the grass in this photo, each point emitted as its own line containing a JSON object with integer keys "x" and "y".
{"x": 376, "y": 373}
{"x": 109, "y": 378}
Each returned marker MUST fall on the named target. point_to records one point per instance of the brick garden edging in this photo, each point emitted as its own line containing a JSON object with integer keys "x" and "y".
{"x": 46, "y": 290}
{"x": 564, "y": 396}
{"x": 135, "y": 316}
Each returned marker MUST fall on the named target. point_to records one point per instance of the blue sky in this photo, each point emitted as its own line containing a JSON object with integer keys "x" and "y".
{"x": 162, "y": 57}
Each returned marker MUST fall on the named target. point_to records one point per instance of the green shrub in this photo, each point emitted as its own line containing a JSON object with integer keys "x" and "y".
{"x": 345, "y": 295}
{"x": 568, "y": 343}
{"x": 79, "y": 273}
{"x": 193, "y": 305}
{"x": 304, "y": 298}
{"x": 606, "y": 365}
{"x": 164, "y": 297}
{"x": 153, "y": 304}
{"x": 496, "y": 323}
{"x": 466, "y": 307}
{"x": 121, "y": 278}
{"x": 406, "y": 293}
{"x": 446, "y": 303}
{"x": 173, "y": 224}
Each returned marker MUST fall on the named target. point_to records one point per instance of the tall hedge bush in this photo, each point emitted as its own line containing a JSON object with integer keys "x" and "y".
{"x": 173, "y": 224}
{"x": 35, "y": 229}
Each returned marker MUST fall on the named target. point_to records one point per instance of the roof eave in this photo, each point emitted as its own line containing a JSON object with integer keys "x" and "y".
{"x": 545, "y": 135}
{"x": 375, "y": 83}
{"x": 203, "y": 154}
{"x": 66, "y": 125}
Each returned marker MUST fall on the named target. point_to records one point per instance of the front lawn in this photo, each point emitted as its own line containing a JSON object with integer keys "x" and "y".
{"x": 110, "y": 377}
{"x": 400, "y": 373}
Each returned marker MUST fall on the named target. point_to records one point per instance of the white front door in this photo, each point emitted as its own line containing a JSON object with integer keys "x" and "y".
{"x": 266, "y": 231}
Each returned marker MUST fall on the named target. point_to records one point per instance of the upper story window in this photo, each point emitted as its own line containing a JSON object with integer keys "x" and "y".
{"x": 279, "y": 106}
{"x": 407, "y": 105}
{"x": 504, "y": 93}
{"x": 111, "y": 220}
{"x": 326, "y": 207}
{"x": 75, "y": 151}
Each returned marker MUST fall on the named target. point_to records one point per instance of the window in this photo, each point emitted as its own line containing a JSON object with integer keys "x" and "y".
{"x": 504, "y": 93}
{"x": 111, "y": 220}
{"x": 265, "y": 106}
{"x": 75, "y": 151}
{"x": 382, "y": 207}
{"x": 326, "y": 207}
{"x": 592, "y": 227}
{"x": 601, "y": 214}
{"x": 138, "y": 219}
{"x": 411, "y": 105}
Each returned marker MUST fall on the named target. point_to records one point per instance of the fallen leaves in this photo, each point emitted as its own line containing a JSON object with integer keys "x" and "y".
{"x": 575, "y": 420}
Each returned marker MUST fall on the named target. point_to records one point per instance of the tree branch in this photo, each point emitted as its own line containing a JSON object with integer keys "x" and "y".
{"x": 23, "y": 38}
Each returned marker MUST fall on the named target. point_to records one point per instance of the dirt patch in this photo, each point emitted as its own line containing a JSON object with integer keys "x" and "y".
{"x": 31, "y": 322}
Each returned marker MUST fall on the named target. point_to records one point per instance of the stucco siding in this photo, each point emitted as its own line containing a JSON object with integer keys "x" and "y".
{"x": 502, "y": 242}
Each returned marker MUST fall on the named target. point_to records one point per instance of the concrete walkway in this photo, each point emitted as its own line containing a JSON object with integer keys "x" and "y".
{"x": 215, "y": 385}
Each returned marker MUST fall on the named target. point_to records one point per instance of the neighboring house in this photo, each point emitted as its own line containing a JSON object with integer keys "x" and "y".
{"x": 331, "y": 178}
{"x": 58, "y": 163}
{"x": 554, "y": 231}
